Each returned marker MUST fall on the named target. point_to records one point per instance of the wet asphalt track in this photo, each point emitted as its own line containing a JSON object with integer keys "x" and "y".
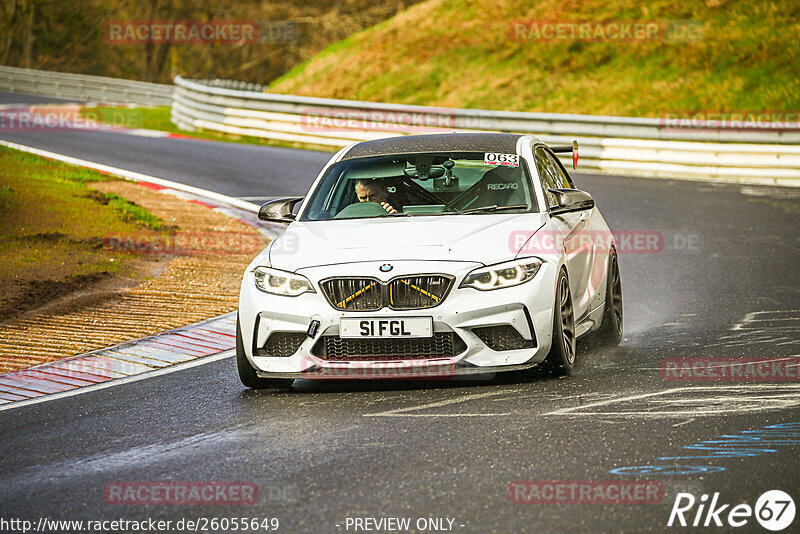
{"x": 726, "y": 284}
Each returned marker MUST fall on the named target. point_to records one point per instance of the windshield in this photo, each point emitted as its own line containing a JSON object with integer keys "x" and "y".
{"x": 422, "y": 184}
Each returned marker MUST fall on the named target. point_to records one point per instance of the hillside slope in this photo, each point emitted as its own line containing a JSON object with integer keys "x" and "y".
{"x": 485, "y": 54}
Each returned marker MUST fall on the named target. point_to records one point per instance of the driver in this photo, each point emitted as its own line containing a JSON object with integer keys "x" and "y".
{"x": 374, "y": 191}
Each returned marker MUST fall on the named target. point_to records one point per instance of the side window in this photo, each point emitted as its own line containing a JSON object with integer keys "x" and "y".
{"x": 561, "y": 176}
{"x": 546, "y": 176}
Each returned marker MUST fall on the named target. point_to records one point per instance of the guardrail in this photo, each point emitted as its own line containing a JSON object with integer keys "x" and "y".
{"x": 84, "y": 87}
{"x": 756, "y": 153}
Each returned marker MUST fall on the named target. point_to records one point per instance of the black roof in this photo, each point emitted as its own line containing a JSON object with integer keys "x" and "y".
{"x": 453, "y": 142}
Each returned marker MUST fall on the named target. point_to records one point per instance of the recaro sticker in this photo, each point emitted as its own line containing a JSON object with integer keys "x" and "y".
{"x": 507, "y": 160}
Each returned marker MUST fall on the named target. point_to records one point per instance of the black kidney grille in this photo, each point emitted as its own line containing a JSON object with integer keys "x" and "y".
{"x": 369, "y": 294}
{"x": 415, "y": 292}
{"x": 354, "y": 293}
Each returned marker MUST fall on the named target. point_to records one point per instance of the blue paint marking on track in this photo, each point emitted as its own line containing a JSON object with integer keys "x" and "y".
{"x": 666, "y": 470}
{"x": 745, "y": 444}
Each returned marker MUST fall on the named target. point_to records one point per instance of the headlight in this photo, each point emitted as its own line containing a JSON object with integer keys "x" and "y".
{"x": 281, "y": 282}
{"x": 508, "y": 274}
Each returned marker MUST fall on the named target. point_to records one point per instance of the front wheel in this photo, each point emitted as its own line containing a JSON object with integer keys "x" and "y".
{"x": 561, "y": 358}
{"x": 247, "y": 374}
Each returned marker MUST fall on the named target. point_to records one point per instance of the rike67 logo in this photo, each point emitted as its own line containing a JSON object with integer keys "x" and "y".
{"x": 774, "y": 510}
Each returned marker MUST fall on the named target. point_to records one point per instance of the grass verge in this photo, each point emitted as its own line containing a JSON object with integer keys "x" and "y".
{"x": 52, "y": 229}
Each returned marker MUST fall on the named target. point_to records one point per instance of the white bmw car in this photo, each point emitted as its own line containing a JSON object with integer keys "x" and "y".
{"x": 430, "y": 256}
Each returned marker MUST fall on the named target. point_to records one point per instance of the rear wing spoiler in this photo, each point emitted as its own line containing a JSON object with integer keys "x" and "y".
{"x": 567, "y": 148}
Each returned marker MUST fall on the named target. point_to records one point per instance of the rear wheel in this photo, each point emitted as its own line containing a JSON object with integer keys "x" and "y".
{"x": 247, "y": 374}
{"x": 610, "y": 332}
{"x": 561, "y": 358}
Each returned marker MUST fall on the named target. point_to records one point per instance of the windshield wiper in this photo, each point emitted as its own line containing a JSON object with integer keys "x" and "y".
{"x": 493, "y": 208}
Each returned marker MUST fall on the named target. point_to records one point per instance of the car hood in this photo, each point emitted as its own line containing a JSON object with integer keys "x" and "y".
{"x": 487, "y": 239}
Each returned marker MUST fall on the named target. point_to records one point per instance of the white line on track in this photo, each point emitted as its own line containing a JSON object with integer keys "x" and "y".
{"x": 684, "y": 422}
{"x": 402, "y": 412}
{"x": 726, "y": 362}
{"x": 791, "y": 398}
{"x": 136, "y": 176}
{"x": 563, "y": 411}
{"x": 120, "y": 381}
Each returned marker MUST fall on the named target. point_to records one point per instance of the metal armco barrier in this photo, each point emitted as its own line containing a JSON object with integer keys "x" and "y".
{"x": 762, "y": 153}
{"x": 84, "y": 88}
{"x": 747, "y": 152}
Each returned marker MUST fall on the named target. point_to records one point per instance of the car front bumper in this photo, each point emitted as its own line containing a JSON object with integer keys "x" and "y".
{"x": 527, "y": 308}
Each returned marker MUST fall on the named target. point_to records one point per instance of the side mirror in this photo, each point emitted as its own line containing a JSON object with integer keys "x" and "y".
{"x": 279, "y": 210}
{"x": 571, "y": 200}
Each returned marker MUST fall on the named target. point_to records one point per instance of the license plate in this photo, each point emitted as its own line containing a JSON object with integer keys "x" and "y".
{"x": 387, "y": 327}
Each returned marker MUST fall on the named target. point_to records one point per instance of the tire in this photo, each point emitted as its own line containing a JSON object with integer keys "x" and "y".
{"x": 561, "y": 358}
{"x": 247, "y": 374}
{"x": 610, "y": 332}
